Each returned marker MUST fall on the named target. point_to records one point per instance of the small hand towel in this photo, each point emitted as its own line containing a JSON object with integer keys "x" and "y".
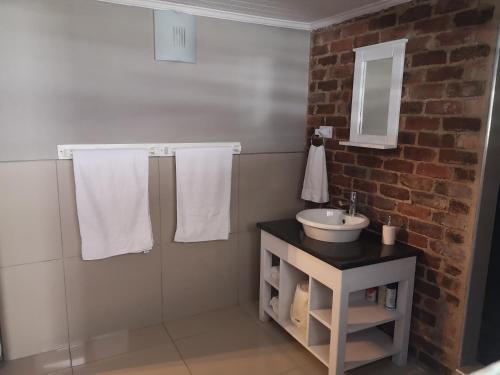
{"x": 112, "y": 202}
{"x": 315, "y": 186}
{"x": 203, "y": 193}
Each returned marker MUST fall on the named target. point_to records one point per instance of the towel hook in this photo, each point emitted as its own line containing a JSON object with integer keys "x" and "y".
{"x": 318, "y": 136}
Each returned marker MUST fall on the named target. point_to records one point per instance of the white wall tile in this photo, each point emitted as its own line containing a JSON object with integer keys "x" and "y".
{"x": 29, "y": 213}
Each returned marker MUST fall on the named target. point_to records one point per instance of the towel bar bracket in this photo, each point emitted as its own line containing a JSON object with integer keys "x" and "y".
{"x": 155, "y": 150}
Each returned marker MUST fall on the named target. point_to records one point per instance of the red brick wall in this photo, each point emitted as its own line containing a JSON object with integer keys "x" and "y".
{"x": 428, "y": 185}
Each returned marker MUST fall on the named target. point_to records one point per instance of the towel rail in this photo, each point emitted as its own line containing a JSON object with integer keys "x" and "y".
{"x": 155, "y": 149}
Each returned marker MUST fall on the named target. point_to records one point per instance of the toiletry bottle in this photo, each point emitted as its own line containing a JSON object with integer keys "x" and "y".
{"x": 371, "y": 295}
{"x": 388, "y": 233}
{"x": 391, "y": 296}
{"x": 381, "y": 295}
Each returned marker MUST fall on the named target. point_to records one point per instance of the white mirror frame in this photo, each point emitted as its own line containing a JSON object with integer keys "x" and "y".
{"x": 395, "y": 50}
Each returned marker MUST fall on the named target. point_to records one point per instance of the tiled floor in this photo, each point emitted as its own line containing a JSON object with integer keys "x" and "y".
{"x": 231, "y": 341}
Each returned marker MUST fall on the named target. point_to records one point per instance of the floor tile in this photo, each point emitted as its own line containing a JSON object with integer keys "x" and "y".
{"x": 109, "y": 345}
{"x": 225, "y": 319}
{"x": 162, "y": 360}
{"x": 247, "y": 350}
{"x": 55, "y": 362}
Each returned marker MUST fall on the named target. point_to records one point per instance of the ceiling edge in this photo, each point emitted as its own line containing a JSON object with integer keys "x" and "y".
{"x": 357, "y": 12}
{"x": 213, "y": 13}
{"x": 239, "y": 17}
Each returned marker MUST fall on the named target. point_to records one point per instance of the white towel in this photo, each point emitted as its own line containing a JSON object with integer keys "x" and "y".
{"x": 112, "y": 202}
{"x": 203, "y": 193}
{"x": 315, "y": 186}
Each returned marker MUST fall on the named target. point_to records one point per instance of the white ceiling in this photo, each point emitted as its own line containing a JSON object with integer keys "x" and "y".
{"x": 297, "y": 14}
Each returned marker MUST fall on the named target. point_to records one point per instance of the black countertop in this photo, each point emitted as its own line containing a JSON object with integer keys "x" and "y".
{"x": 368, "y": 249}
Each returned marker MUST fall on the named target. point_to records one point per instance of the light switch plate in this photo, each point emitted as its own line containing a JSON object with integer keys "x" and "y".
{"x": 324, "y": 131}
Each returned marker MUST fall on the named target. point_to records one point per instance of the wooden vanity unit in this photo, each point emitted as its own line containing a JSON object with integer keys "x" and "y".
{"x": 342, "y": 330}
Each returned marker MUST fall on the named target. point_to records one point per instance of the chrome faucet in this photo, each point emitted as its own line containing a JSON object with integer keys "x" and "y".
{"x": 352, "y": 203}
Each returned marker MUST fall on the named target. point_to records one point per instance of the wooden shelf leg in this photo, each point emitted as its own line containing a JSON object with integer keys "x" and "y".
{"x": 340, "y": 305}
{"x": 402, "y": 326}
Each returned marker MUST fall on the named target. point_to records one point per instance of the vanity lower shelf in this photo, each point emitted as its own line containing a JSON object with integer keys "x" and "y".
{"x": 353, "y": 329}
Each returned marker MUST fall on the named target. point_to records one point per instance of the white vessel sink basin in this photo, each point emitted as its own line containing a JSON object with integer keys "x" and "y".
{"x": 332, "y": 225}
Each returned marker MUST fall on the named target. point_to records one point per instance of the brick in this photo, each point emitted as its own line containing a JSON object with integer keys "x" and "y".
{"x": 416, "y": 13}
{"x": 341, "y": 45}
{"x": 462, "y": 124}
{"x": 341, "y": 71}
{"x": 328, "y": 60}
{"x": 326, "y": 36}
{"x": 406, "y": 138}
{"x": 451, "y": 299}
{"x": 355, "y": 28}
{"x": 448, "y": 6}
{"x": 453, "y": 190}
{"x": 434, "y": 170}
{"x": 418, "y": 44}
{"x": 317, "y": 98}
{"x": 416, "y": 182}
{"x": 369, "y": 161}
{"x": 427, "y": 289}
{"x": 417, "y": 240}
{"x": 336, "y": 121}
{"x": 319, "y": 74}
{"x": 411, "y": 108}
{"x": 382, "y": 22}
{"x": 347, "y": 58}
{"x": 443, "y": 107}
{"x": 325, "y": 108}
{"x": 340, "y": 180}
{"x": 452, "y": 251}
{"x": 452, "y": 270}
{"x": 429, "y": 58}
{"x": 429, "y": 200}
{"x": 344, "y": 157}
{"x": 419, "y": 153}
{"x": 342, "y": 133}
{"x": 424, "y": 316}
{"x": 394, "y": 192}
{"x": 445, "y": 73}
{"x": 427, "y": 91}
{"x": 328, "y": 85}
{"x": 363, "y": 185}
{"x": 458, "y": 157}
{"x": 468, "y": 141}
{"x": 470, "y": 52}
{"x": 381, "y": 203}
{"x": 461, "y": 174}
{"x": 382, "y": 176}
{"x": 436, "y": 140}
{"x": 414, "y": 76}
{"x": 454, "y": 237}
{"x": 457, "y": 207}
{"x": 366, "y": 40}
{"x": 335, "y": 168}
{"x": 398, "y": 165}
{"x": 465, "y": 89}
{"x": 476, "y": 16}
{"x": 426, "y": 229}
{"x": 422, "y": 123}
{"x": 432, "y": 25}
{"x": 454, "y": 37}
{"x": 350, "y": 170}
{"x": 449, "y": 220}
{"x": 414, "y": 211}
{"x": 319, "y": 50}
{"x": 430, "y": 261}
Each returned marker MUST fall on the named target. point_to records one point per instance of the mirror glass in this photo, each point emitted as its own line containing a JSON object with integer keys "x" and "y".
{"x": 376, "y": 97}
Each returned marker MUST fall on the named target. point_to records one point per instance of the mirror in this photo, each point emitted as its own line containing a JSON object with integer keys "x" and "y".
{"x": 378, "y": 79}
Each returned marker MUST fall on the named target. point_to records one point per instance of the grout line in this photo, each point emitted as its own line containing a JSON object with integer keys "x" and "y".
{"x": 177, "y": 349}
{"x": 63, "y": 268}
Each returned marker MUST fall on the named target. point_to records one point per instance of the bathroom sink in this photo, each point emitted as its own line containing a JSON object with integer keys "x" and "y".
{"x": 332, "y": 225}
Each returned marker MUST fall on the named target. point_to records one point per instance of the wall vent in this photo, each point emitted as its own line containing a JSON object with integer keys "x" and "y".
{"x": 175, "y": 36}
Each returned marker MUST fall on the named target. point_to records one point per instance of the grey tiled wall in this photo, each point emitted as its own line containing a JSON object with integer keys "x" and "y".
{"x": 49, "y": 297}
